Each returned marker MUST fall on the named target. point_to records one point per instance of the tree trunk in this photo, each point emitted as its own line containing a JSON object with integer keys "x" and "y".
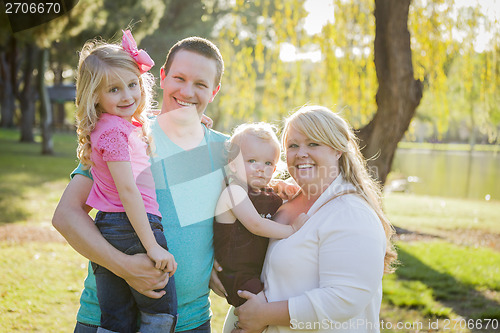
{"x": 398, "y": 93}
{"x": 59, "y": 112}
{"x": 7, "y": 81}
{"x": 27, "y": 96}
{"x": 45, "y": 106}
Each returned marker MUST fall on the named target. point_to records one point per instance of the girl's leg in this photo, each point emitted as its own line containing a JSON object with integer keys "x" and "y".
{"x": 85, "y": 328}
{"x": 118, "y": 308}
{"x": 158, "y": 315}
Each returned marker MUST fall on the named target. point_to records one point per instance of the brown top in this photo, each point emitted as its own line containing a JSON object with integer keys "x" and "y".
{"x": 241, "y": 253}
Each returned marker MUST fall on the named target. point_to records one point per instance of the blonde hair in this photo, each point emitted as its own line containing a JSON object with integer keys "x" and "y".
{"x": 260, "y": 130}
{"x": 322, "y": 125}
{"x": 97, "y": 61}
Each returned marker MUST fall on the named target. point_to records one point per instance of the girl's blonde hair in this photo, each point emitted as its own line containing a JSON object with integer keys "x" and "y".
{"x": 264, "y": 131}
{"x": 322, "y": 125}
{"x": 97, "y": 62}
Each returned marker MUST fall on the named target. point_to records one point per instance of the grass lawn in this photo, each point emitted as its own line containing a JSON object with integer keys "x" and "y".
{"x": 448, "y": 279}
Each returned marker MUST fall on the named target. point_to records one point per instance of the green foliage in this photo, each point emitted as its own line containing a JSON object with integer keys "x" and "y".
{"x": 256, "y": 84}
{"x": 253, "y": 33}
{"x": 461, "y": 82}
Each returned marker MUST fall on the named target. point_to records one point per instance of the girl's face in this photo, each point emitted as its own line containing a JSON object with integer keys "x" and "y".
{"x": 121, "y": 94}
{"x": 256, "y": 162}
{"x": 313, "y": 165}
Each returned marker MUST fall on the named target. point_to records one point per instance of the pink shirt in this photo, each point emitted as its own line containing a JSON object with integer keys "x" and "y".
{"x": 115, "y": 139}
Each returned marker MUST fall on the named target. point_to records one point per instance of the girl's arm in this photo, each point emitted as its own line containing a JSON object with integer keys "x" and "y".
{"x": 134, "y": 207}
{"x": 236, "y": 200}
{"x": 71, "y": 219}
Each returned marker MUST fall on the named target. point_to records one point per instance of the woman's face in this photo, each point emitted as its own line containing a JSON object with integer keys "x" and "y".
{"x": 312, "y": 164}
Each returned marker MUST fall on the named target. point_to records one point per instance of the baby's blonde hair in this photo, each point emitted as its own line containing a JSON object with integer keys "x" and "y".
{"x": 264, "y": 131}
{"x": 324, "y": 126}
{"x": 97, "y": 61}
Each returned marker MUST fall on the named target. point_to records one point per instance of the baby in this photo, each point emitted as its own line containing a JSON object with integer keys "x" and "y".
{"x": 242, "y": 226}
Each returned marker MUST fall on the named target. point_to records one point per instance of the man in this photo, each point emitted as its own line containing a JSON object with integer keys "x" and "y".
{"x": 188, "y": 171}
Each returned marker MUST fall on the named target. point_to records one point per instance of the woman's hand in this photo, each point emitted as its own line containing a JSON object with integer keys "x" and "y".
{"x": 215, "y": 283}
{"x": 142, "y": 275}
{"x": 207, "y": 121}
{"x": 250, "y": 316}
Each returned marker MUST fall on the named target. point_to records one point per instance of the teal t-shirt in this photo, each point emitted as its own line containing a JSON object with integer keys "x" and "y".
{"x": 188, "y": 185}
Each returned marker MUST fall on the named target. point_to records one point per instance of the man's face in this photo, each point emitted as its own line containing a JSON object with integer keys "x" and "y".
{"x": 189, "y": 82}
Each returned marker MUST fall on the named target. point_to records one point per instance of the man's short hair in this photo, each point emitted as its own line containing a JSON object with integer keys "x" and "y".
{"x": 200, "y": 46}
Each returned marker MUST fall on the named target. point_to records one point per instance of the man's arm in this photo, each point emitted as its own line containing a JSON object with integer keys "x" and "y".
{"x": 71, "y": 219}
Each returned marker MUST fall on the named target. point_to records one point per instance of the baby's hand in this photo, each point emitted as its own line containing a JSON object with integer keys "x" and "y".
{"x": 163, "y": 259}
{"x": 284, "y": 189}
{"x": 299, "y": 221}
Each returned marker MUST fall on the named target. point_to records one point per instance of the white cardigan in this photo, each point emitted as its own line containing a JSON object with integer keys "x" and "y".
{"x": 330, "y": 271}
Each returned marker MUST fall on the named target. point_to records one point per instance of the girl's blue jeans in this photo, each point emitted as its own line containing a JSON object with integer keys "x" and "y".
{"x": 120, "y": 303}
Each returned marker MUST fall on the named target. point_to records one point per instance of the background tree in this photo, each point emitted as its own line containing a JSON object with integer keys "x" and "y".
{"x": 371, "y": 69}
{"x": 367, "y": 68}
{"x": 349, "y": 74}
{"x": 398, "y": 94}
{"x": 83, "y": 22}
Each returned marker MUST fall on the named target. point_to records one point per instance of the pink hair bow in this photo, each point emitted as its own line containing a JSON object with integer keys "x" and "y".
{"x": 142, "y": 58}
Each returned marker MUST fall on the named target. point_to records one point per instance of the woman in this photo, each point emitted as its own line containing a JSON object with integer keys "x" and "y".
{"x": 328, "y": 275}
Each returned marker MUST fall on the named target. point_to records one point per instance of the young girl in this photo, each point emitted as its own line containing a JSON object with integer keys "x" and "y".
{"x": 113, "y": 95}
{"x": 242, "y": 226}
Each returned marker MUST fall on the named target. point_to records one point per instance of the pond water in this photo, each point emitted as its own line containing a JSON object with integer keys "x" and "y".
{"x": 450, "y": 173}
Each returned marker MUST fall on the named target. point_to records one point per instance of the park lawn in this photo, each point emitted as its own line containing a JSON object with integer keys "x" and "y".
{"x": 436, "y": 280}
{"x": 440, "y": 277}
{"x": 438, "y": 215}
{"x": 40, "y": 286}
{"x": 31, "y": 184}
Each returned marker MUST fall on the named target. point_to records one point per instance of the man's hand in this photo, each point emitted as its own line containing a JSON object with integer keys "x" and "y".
{"x": 215, "y": 283}
{"x": 142, "y": 275}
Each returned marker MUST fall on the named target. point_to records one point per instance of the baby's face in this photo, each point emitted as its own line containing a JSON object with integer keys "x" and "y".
{"x": 257, "y": 161}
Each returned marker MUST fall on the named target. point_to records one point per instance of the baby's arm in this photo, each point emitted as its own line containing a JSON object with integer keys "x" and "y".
{"x": 234, "y": 201}
{"x": 134, "y": 207}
